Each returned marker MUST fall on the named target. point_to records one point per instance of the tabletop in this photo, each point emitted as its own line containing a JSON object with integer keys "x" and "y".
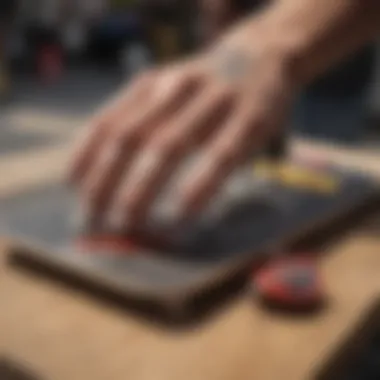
{"x": 60, "y": 334}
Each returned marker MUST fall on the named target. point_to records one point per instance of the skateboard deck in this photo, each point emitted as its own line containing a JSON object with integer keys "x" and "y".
{"x": 272, "y": 215}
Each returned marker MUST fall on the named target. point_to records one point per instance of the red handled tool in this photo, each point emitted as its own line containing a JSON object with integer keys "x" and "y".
{"x": 290, "y": 283}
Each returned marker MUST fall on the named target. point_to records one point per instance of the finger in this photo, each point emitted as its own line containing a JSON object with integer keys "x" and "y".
{"x": 245, "y": 131}
{"x": 185, "y": 132}
{"x": 117, "y": 155}
{"x": 101, "y": 183}
{"x": 94, "y": 134}
{"x": 171, "y": 91}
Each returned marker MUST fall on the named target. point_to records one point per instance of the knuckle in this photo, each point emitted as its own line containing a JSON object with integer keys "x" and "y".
{"x": 132, "y": 137}
{"x": 126, "y": 137}
{"x": 224, "y": 161}
{"x": 169, "y": 151}
{"x": 169, "y": 146}
{"x": 227, "y": 153}
{"x": 222, "y": 93}
{"x": 107, "y": 157}
{"x": 218, "y": 102}
{"x": 182, "y": 82}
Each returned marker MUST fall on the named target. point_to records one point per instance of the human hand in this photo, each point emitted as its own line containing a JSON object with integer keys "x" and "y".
{"x": 222, "y": 103}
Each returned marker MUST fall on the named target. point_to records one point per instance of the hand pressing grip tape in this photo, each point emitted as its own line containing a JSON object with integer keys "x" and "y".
{"x": 226, "y": 225}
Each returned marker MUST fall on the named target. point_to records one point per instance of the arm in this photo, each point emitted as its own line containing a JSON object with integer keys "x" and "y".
{"x": 217, "y": 15}
{"x": 316, "y": 34}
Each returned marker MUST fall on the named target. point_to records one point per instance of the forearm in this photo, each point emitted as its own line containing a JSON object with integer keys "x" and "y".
{"x": 316, "y": 34}
{"x": 218, "y": 15}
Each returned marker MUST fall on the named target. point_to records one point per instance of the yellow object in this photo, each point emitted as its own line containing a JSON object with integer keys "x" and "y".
{"x": 297, "y": 176}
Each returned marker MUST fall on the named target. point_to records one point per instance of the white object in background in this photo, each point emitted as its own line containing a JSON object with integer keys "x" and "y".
{"x": 75, "y": 37}
{"x": 135, "y": 57}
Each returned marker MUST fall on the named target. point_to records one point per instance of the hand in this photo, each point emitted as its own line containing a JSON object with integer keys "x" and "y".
{"x": 222, "y": 103}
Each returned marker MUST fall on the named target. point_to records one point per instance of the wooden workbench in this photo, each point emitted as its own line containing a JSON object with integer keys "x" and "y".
{"x": 59, "y": 334}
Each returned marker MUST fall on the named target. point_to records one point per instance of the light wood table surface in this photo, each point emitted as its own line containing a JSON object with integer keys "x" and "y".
{"x": 63, "y": 335}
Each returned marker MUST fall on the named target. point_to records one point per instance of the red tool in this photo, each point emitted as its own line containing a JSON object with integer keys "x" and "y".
{"x": 291, "y": 283}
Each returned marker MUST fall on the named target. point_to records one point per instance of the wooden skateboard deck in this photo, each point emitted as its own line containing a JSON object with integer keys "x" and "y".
{"x": 279, "y": 214}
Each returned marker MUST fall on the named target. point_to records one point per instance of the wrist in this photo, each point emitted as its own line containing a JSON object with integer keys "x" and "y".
{"x": 292, "y": 34}
{"x": 287, "y": 46}
{"x": 309, "y": 36}
{"x": 263, "y": 44}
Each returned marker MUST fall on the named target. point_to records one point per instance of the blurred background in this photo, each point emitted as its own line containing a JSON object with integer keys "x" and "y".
{"x": 60, "y": 59}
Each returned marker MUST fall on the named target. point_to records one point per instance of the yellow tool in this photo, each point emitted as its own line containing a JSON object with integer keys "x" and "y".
{"x": 297, "y": 176}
